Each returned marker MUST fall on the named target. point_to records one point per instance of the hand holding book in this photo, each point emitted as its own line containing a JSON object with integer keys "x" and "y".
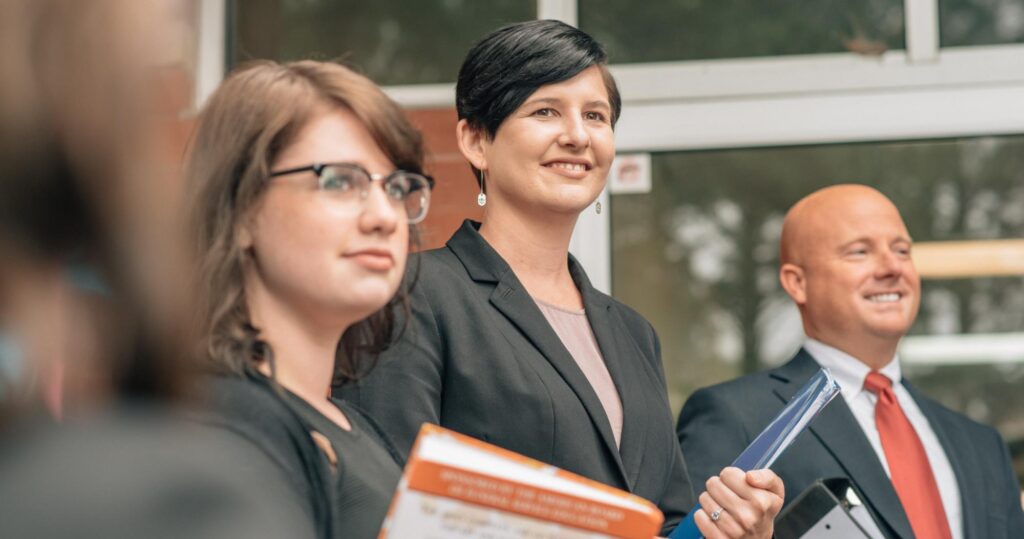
{"x": 456, "y": 486}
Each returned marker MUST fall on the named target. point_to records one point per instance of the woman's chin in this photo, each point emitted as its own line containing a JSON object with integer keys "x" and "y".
{"x": 573, "y": 207}
{"x": 568, "y": 202}
{"x": 366, "y": 303}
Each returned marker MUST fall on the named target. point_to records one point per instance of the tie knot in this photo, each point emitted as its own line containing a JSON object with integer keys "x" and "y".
{"x": 876, "y": 382}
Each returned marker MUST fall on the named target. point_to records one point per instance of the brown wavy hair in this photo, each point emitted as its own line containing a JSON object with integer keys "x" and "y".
{"x": 254, "y": 114}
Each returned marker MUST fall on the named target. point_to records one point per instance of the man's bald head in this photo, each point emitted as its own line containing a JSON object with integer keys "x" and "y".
{"x": 845, "y": 261}
{"x": 811, "y": 215}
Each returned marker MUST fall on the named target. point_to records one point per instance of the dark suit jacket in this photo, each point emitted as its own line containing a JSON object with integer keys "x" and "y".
{"x": 479, "y": 357}
{"x": 718, "y": 422}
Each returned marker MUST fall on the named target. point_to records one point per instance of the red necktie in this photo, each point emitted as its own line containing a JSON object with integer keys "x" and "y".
{"x": 908, "y": 463}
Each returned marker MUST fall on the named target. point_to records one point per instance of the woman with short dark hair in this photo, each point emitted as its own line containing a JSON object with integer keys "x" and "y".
{"x": 508, "y": 341}
{"x": 307, "y": 180}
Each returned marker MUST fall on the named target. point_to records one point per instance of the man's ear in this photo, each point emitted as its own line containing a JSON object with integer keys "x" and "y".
{"x": 472, "y": 144}
{"x": 794, "y": 282}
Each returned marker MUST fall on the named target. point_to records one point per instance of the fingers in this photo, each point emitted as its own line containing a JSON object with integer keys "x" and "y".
{"x": 767, "y": 480}
{"x": 746, "y": 503}
{"x": 707, "y": 527}
{"x": 725, "y": 526}
{"x": 768, "y": 486}
{"x": 731, "y": 492}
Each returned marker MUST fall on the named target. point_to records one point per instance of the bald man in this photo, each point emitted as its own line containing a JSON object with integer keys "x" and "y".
{"x": 923, "y": 469}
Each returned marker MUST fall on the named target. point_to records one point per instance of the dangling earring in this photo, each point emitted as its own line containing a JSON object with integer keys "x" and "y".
{"x": 481, "y": 199}
{"x": 597, "y": 207}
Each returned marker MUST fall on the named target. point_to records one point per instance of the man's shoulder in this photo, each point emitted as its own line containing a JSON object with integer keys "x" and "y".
{"x": 757, "y": 383}
{"x": 972, "y": 429}
{"x": 747, "y": 400}
{"x": 750, "y": 396}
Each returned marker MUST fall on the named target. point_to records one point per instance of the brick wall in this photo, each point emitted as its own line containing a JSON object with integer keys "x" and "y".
{"x": 454, "y": 196}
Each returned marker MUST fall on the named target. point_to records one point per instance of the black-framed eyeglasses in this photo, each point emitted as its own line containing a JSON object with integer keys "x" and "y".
{"x": 409, "y": 190}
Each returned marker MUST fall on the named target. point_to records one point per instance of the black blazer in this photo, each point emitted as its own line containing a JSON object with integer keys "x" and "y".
{"x": 479, "y": 357}
{"x": 718, "y": 422}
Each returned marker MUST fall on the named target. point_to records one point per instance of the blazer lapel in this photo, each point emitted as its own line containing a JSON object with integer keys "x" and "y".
{"x": 510, "y": 298}
{"x": 966, "y": 468}
{"x": 839, "y": 432}
{"x": 607, "y": 327}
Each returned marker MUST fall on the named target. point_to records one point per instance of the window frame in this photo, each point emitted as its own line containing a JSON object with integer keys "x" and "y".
{"x": 921, "y": 92}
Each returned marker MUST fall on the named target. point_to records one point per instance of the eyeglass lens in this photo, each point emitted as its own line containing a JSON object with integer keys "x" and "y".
{"x": 408, "y": 189}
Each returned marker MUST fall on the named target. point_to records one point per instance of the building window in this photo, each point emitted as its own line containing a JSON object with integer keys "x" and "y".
{"x": 394, "y": 42}
{"x": 675, "y": 30}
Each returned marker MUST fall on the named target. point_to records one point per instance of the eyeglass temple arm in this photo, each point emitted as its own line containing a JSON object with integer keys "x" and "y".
{"x": 316, "y": 168}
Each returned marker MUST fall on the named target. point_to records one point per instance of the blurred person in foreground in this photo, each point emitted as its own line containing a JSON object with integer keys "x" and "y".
{"x": 307, "y": 182}
{"x": 922, "y": 469}
{"x": 85, "y": 241}
{"x": 78, "y": 189}
{"x": 508, "y": 341}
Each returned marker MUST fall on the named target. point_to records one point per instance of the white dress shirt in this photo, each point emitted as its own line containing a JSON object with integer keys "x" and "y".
{"x": 850, "y": 374}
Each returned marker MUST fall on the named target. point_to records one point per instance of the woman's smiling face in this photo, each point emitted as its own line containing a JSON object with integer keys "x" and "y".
{"x": 553, "y": 153}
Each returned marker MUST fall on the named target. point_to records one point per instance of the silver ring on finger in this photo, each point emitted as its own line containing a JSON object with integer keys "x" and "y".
{"x": 716, "y": 514}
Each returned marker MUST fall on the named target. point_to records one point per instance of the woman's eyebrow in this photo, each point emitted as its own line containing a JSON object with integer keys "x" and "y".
{"x": 547, "y": 100}
{"x": 557, "y": 101}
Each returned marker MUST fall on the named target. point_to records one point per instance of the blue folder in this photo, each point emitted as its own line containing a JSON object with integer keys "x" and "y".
{"x": 776, "y": 437}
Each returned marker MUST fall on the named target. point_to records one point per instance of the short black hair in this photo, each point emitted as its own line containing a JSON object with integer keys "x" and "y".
{"x": 508, "y": 65}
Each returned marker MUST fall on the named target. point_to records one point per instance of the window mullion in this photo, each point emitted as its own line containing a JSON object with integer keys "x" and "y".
{"x": 562, "y": 10}
{"x": 212, "y": 26}
{"x": 922, "y": 18}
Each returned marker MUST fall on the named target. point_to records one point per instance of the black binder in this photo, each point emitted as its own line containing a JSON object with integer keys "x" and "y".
{"x": 830, "y": 508}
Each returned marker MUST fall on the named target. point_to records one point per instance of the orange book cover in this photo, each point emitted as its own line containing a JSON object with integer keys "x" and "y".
{"x": 457, "y": 486}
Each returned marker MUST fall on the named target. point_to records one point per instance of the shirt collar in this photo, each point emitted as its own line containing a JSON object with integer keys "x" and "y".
{"x": 848, "y": 370}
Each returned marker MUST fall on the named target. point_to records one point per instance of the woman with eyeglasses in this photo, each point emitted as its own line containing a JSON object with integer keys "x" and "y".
{"x": 508, "y": 341}
{"x": 306, "y": 183}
